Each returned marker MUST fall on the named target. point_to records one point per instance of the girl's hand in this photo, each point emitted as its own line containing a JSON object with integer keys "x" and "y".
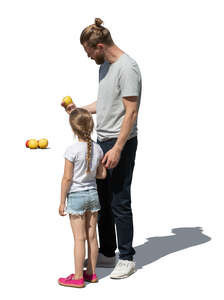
{"x": 62, "y": 210}
{"x": 69, "y": 108}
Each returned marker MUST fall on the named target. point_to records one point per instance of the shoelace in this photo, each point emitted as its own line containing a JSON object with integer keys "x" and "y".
{"x": 121, "y": 263}
{"x": 69, "y": 277}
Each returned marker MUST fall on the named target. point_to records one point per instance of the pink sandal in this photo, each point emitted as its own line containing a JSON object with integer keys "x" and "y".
{"x": 70, "y": 281}
{"x": 90, "y": 278}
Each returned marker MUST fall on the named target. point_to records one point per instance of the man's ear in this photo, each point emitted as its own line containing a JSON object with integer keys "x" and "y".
{"x": 100, "y": 46}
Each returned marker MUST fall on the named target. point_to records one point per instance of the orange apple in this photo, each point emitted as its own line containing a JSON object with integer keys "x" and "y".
{"x": 27, "y": 144}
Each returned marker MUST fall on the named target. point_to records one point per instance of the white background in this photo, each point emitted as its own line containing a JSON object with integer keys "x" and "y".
{"x": 178, "y": 178}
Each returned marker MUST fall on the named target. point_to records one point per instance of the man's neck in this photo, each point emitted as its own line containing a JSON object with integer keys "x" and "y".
{"x": 113, "y": 53}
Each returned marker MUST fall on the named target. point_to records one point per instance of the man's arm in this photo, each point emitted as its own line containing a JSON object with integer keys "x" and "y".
{"x": 131, "y": 112}
{"x": 91, "y": 108}
{"x": 112, "y": 157}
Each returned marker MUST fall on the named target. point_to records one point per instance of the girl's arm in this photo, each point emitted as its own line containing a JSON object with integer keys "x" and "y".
{"x": 101, "y": 172}
{"x": 65, "y": 184}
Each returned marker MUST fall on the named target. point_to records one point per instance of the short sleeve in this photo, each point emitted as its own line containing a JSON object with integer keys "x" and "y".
{"x": 70, "y": 154}
{"x": 130, "y": 81}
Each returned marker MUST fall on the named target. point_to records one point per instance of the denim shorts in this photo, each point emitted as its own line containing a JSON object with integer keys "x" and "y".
{"x": 81, "y": 201}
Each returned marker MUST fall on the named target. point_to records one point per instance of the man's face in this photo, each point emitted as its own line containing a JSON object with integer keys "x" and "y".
{"x": 95, "y": 53}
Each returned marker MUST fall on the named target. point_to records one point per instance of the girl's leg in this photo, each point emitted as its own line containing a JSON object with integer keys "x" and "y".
{"x": 79, "y": 232}
{"x": 91, "y": 221}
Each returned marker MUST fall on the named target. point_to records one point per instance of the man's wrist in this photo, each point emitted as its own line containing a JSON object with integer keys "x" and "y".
{"x": 118, "y": 147}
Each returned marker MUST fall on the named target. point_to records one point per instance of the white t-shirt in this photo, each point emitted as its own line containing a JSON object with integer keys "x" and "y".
{"x": 76, "y": 153}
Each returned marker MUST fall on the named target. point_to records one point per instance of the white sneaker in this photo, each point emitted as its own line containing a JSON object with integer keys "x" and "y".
{"x": 103, "y": 261}
{"x": 123, "y": 269}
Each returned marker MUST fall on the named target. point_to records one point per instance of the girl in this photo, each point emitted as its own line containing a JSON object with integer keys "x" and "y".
{"x": 82, "y": 166}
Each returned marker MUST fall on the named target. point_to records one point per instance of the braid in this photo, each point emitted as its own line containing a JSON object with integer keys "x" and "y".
{"x": 89, "y": 150}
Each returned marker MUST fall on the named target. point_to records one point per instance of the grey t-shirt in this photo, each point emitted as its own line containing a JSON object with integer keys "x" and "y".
{"x": 117, "y": 80}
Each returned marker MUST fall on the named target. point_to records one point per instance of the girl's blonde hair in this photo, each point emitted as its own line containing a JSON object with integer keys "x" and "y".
{"x": 96, "y": 33}
{"x": 82, "y": 124}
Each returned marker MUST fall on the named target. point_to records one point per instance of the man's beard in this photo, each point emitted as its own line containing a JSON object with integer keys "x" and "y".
{"x": 100, "y": 60}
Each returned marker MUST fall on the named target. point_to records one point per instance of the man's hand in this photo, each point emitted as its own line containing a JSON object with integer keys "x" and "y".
{"x": 69, "y": 108}
{"x": 62, "y": 210}
{"x": 112, "y": 157}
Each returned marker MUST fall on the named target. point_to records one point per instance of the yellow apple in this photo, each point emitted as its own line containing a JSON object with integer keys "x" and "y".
{"x": 43, "y": 143}
{"x": 33, "y": 144}
{"x": 66, "y": 101}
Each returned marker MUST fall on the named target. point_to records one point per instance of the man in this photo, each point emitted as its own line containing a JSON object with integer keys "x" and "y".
{"x": 116, "y": 111}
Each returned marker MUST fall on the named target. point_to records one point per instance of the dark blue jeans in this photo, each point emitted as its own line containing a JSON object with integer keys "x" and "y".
{"x": 115, "y": 200}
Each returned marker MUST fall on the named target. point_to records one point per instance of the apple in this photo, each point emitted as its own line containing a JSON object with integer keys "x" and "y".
{"x": 66, "y": 101}
{"x": 33, "y": 144}
{"x": 27, "y": 143}
{"x": 43, "y": 143}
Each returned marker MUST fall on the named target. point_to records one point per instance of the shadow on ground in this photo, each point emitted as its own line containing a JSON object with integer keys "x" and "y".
{"x": 157, "y": 247}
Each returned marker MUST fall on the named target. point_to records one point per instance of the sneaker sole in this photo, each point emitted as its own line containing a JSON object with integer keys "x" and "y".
{"x": 72, "y": 285}
{"x": 122, "y": 277}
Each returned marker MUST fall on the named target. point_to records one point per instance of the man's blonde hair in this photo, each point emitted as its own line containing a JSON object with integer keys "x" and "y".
{"x": 95, "y": 34}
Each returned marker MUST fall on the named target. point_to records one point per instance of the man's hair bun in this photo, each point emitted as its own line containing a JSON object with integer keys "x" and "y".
{"x": 95, "y": 34}
{"x": 98, "y": 22}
